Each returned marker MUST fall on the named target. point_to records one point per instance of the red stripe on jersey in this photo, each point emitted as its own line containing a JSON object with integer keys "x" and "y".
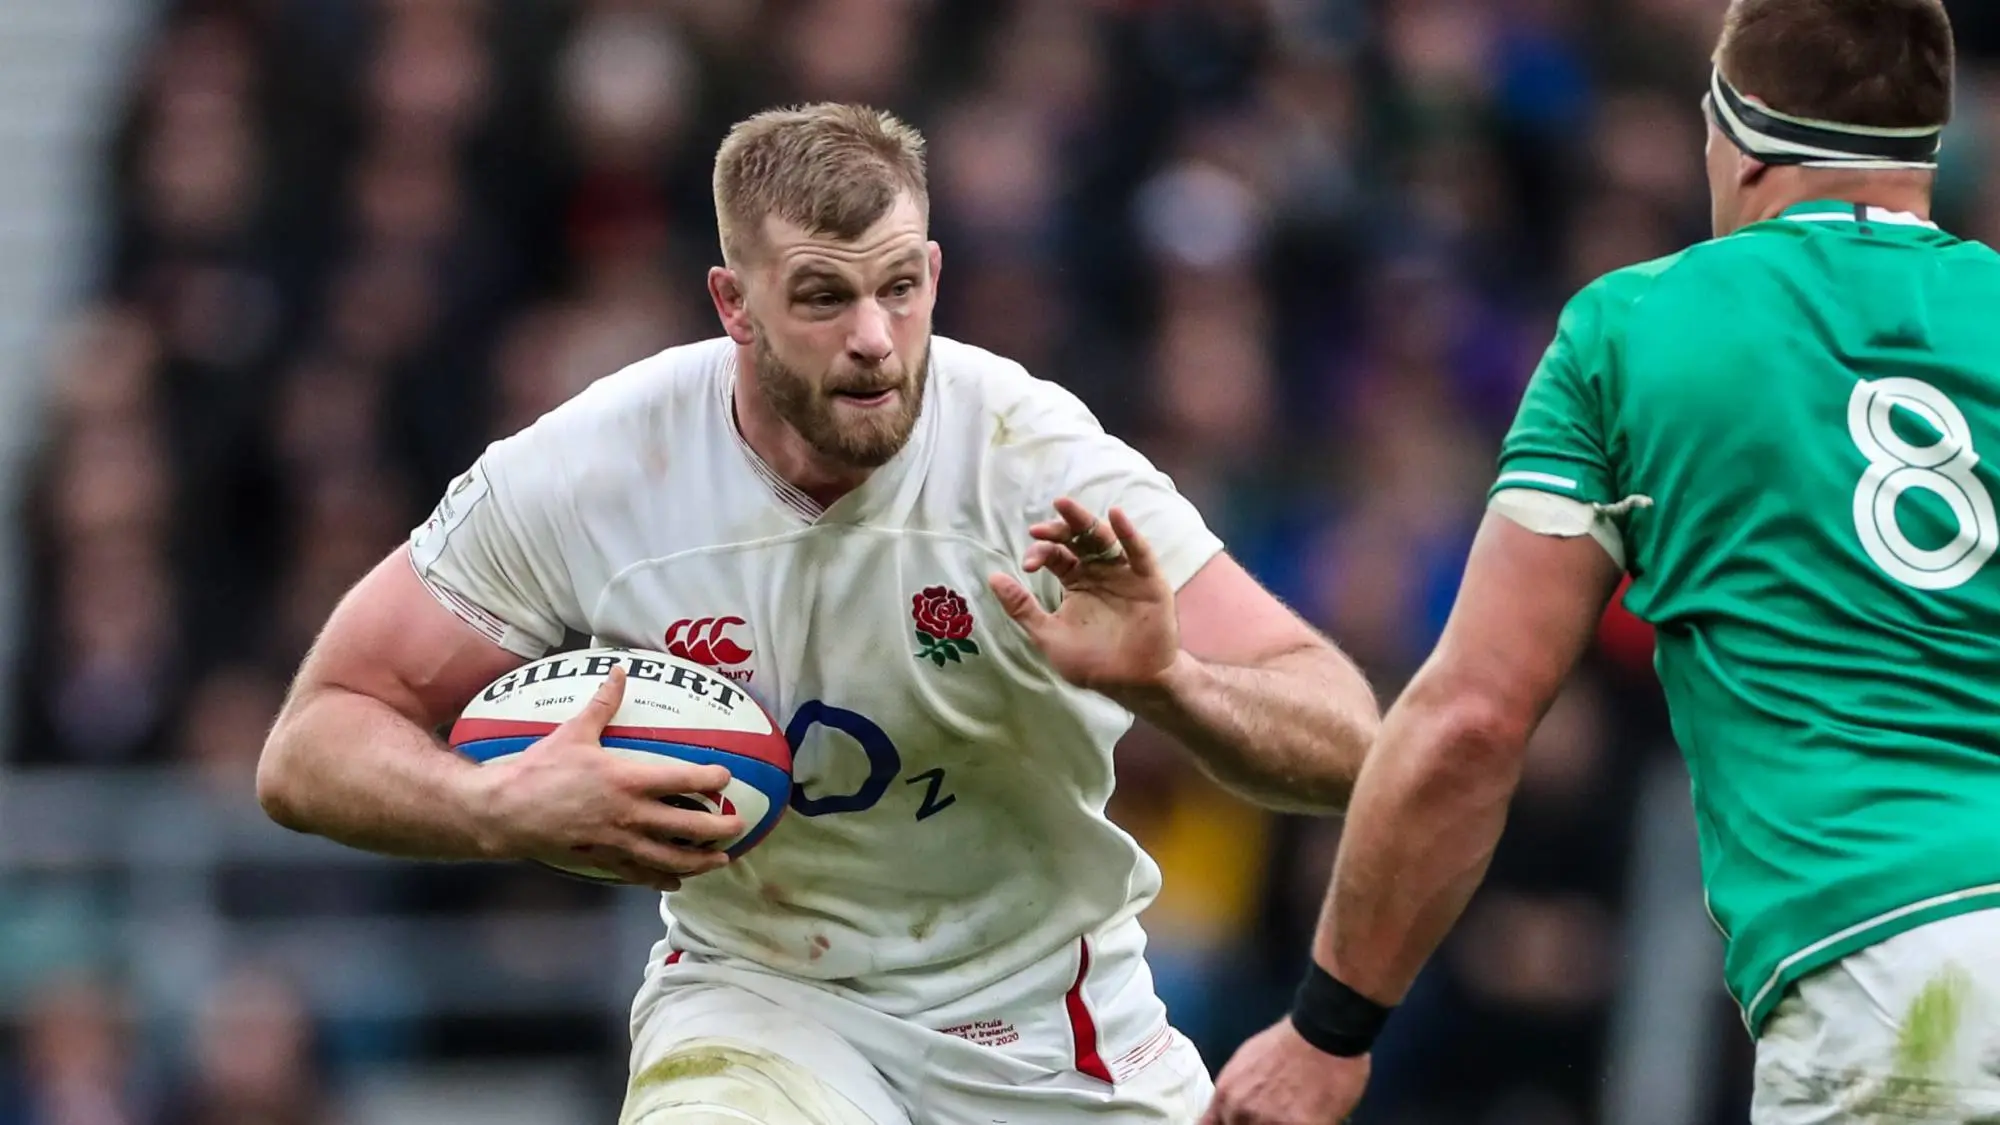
{"x": 771, "y": 749}
{"x": 488, "y": 625}
{"x": 1082, "y": 1026}
{"x": 674, "y": 958}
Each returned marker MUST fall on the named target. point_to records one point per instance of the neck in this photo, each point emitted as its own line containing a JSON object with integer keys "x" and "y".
{"x": 1890, "y": 191}
{"x": 774, "y": 441}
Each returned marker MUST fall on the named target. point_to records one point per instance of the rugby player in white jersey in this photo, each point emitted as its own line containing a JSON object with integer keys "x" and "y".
{"x": 943, "y": 928}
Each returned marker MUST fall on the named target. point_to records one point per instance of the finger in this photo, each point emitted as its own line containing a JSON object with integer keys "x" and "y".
{"x": 604, "y": 703}
{"x": 674, "y": 860}
{"x": 1019, "y": 603}
{"x": 1078, "y": 517}
{"x": 1051, "y": 531}
{"x": 670, "y": 778}
{"x": 1054, "y": 558}
{"x": 686, "y": 827}
{"x": 1093, "y": 540}
{"x": 626, "y": 871}
{"x": 1138, "y": 553}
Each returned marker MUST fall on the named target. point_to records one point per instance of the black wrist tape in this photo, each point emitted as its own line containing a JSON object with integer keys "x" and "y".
{"x": 1335, "y": 1018}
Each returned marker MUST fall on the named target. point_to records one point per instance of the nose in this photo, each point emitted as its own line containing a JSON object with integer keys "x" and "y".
{"x": 870, "y": 342}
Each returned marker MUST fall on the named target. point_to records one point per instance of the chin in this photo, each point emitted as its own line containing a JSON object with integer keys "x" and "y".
{"x": 868, "y": 451}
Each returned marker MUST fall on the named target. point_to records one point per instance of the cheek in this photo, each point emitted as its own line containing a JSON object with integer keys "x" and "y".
{"x": 913, "y": 323}
{"x": 802, "y": 343}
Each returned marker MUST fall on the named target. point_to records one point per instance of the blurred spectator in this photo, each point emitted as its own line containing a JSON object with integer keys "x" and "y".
{"x": 254, "y": 1060}
{"x": 76, "y": 1065}
{"x": 222, "y": 731}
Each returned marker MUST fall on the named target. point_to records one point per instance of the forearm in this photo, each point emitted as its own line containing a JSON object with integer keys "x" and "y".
{"x": 1427, "y": 813}
{"x": 350, "y": 768}
{"x": 1289, "y": 734}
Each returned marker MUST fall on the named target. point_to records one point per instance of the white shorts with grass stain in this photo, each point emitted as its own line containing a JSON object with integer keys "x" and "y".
{"x": 1904, "y": 1031}
{"x": 716, "y": 1044}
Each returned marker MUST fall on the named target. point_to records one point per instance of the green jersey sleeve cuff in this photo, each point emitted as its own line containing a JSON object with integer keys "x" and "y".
{"x": 1575, "y": 479}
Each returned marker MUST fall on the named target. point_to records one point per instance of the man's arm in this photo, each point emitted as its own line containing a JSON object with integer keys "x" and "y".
{"x": 1432, "y": 798}
{"x": 1269, "y": 707}
{"x": 354, "y": 755}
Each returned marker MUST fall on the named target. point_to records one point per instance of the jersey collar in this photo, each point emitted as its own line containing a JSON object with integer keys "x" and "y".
{"x": 1839, "y": 211}
{"x": 874, "y": 493}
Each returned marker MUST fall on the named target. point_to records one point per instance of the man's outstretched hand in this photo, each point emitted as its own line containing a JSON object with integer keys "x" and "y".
{"x": 1116, "y": 629}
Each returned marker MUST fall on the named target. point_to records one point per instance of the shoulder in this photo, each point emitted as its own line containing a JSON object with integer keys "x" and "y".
{"x": 631, "y": 421}
{"x": 1003, "y": 401}
{"x": 1709, "y": 275}
{"x": 1622, "y": 291}
{"x": 650, "y": 396}
{"x": 1018, "y": 441}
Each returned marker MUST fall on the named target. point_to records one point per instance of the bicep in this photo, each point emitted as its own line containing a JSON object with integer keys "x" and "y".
{"x": 1227, "y": 617}
{"x": 390, "y": 639}
{"x": 1527, "y": 609}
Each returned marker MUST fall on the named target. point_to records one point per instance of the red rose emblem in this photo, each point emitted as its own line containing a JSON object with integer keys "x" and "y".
{"x": 942, "y": 614}
{"x": 944, "y": 625}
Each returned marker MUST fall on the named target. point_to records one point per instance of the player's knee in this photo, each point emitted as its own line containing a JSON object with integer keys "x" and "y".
{"x": 717, "y": 1082}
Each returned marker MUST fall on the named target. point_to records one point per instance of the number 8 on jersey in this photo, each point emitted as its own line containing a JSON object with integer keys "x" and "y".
{"x": 1944, "y": 468}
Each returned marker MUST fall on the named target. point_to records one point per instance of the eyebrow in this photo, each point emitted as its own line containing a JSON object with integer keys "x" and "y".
{"x": 813, "y": 271}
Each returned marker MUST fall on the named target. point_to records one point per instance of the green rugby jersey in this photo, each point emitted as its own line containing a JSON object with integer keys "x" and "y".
{"x": 1812, "y": 407}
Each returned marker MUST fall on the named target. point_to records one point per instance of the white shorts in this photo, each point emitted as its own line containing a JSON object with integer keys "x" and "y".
{"x": 1905, "y": 1031}
{"x": 722, "y": 1044}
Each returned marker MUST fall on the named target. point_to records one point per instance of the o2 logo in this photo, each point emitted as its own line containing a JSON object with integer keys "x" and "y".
{"x": 884, "y": 764}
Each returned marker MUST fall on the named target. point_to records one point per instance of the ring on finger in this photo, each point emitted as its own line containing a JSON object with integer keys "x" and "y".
{"x": 1095, "y": 554}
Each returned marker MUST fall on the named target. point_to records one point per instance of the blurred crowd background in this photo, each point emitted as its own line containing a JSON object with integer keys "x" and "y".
{"x": 1302, "y": 252}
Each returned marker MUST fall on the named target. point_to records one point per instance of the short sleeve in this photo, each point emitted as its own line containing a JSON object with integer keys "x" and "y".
{"x": 1558, "y": 444}
{"x": 491, "y": 550}
{"x": 1080, "y": 460}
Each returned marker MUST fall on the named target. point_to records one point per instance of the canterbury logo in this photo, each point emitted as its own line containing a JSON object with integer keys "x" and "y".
{"x": 706, "y": 640}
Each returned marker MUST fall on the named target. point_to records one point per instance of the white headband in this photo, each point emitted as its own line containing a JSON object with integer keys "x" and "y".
{"x": 1780, "y": 138}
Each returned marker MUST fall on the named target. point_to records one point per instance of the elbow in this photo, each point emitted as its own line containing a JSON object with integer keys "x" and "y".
{"x": 277, "y": 781}
{"x": 1354, "y": 735}
{"x": 1474, "y": 739}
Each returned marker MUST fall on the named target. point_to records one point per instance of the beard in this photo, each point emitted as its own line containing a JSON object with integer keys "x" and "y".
{"x": 854, "y": 436}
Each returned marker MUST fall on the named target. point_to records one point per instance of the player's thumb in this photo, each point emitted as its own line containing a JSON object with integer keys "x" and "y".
{"x": 596, "y": 714}
{"x": 1018, "y": 601}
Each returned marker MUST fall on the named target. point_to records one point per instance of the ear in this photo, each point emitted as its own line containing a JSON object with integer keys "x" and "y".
{"x": 937, "y": 261}
{"x": 732, "y": 304}
{"x": 1749, "y": 170}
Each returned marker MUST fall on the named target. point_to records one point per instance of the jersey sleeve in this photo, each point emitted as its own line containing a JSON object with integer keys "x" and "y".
{"x": 1080, "y": 460}
{"x": 1558, "y": 443}
{"x": 491, "y": 550}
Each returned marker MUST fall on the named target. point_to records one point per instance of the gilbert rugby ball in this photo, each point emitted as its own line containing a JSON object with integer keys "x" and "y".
{"x": 673, "y": 708}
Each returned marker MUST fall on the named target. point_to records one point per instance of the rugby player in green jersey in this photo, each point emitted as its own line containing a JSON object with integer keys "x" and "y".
{"x": 1786, "y": 436}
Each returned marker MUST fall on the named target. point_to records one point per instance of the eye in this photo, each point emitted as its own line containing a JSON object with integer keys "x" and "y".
{"x": 824, "y": 300}
{"x": 903, "y": 288}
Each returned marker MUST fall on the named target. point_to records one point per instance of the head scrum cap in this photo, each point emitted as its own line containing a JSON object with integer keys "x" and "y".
{"x": 1780, "y": 138}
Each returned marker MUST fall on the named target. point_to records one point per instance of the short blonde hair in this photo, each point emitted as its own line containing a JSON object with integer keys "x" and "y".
{"x": 829, "y": 168}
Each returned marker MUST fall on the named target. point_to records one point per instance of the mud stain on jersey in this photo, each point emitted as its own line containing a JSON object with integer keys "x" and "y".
{"x": 927, "y": 921}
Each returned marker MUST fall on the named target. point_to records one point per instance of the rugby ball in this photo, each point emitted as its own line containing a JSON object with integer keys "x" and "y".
{"x": 673, "y": 708}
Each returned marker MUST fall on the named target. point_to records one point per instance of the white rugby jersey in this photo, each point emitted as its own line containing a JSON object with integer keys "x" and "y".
{"x": 947, "y": 829}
